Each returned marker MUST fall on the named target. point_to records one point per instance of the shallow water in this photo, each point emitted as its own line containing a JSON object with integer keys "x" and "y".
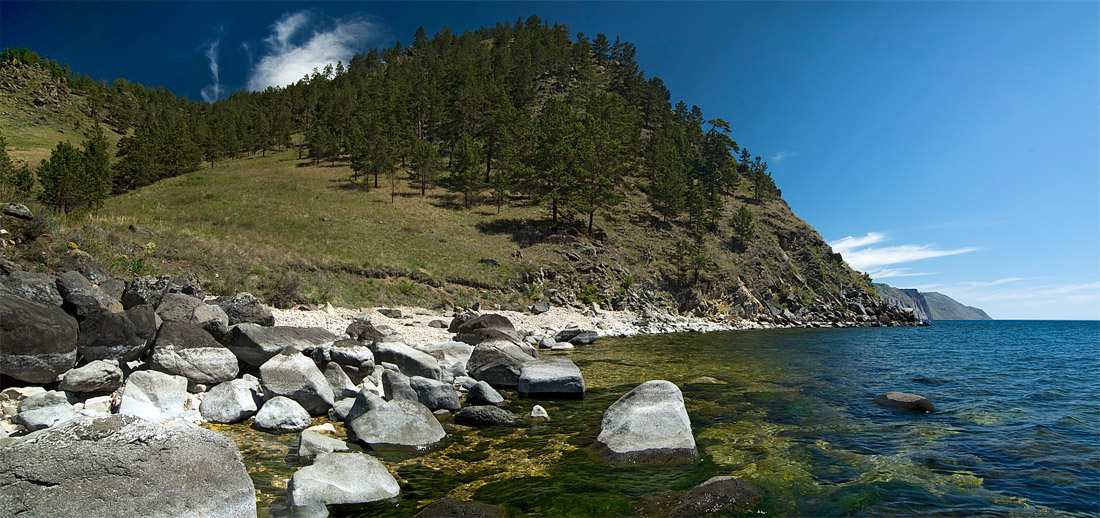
{"x": 1016, "y": 432}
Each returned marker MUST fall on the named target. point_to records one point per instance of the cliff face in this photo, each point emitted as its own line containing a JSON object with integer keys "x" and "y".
{"x": 929, "y": 306}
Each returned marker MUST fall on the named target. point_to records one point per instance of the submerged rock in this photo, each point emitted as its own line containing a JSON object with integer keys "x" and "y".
{"x": 448, "y": 507}
{"x": 719, "y": 495}
{"x": 904, "y": 401}
{"x": 311, "y": 444}
{"x": 648, "y": 425}
{"x": 554, "y": 377}
{"x": 484, "y": 416}
{"x": 339, "y": 478}
{"x": 399, "y": 423}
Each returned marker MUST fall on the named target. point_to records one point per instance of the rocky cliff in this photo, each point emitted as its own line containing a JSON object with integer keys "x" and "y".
{"x": 929, "y": 306}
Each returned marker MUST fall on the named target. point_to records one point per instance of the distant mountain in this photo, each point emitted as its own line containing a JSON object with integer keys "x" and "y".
{"x": 929, "y": 306}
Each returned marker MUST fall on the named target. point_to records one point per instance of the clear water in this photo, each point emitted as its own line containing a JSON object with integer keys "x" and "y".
{"x": 1017, "y": 431}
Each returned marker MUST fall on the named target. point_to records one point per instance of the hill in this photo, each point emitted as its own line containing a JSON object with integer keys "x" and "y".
{"x": 554, "y": 172}
{"x": 931, "y": 305}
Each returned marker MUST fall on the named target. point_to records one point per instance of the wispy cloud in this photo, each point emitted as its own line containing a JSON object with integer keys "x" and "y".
{"x": 861, "y": 256}
{"x": 887, "y": 273}
{"x": 213, "y": 91}
{"x": 292, "y": 50}
{"x": 784, "y": 154}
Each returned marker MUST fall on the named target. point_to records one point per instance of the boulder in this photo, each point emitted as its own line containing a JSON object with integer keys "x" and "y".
{"x": 347, "y": 352}
{"x": 460, "y": 319}
{"x": 577, "y": 336}
{"x": 438, "y": 324}
{"x": 80, "y": 261}
{"x": 105, "y": 335}
{"x": 435, "y": 394}
{"x": 467, "y": 331}
{"x": 340, "y": 409}
{"x": 244, "y": 308}
{"x": 124, "y": 466}
{"x": 648, "y": 425}
{"x": 312, "y": 444}
{"x": 80, "y": 298}
{"x": 541, "y": 307}
{"x": 292, "y": 375}
{"x": 37, "y": 287}
{"x": 411, "y": 361}
{"x": 719, "y": 495}
{"x": 188, "y": 350}
{"x": 96, "y": 376}
{"x": 364, "y": 402}
{"x": 177, "y": 307}
{"x": 44, "y": 410}
{"x": 398, "y": 423}
{"x": 538, "y": 413}
{"x": 484, "y": 416}
{"x": 145, "y": 290}
{"x": 397, "y": 386}
{"x": 339, "y": 478}
{"x": 17, "y": 210}
{"x": 554, "y": 377}
{"x": 483, "y": 393}
{"x": 449, "y": 353}
{"x": 154, "y": 396}
{"x": 211, "y": 318}
{"x": 232, "y": 401}
{"x": 448, "y": 507}
{"x": 255, "y": 344}
{"x": 904, "y": 401}
{"x": 498, "y": 363}
{"x": 390, "y": 313}
{"x": 338, "y": 380}
{"x": 363, "y": 330}
{"x": 39, "y": 340}
{"x": 282, "y": 414}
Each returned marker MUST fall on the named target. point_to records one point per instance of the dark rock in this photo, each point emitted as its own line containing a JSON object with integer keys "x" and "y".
{"x": 460, "y": 319}
{"x": 177, "y": 307}
{"x": 338, "y": 380}
{"x": 280, "y": 413}
{"x": 719, "y": 495}
{"x": 232, "y": 401}
{"x": 478, "y": 336}
{"x": 339, "y": 478}
{"x": 435, "y": 394}
{"x": 348, "y": 353}
{"x": 97, "y": 376}
{"x": 37, "y": 287}
{"x": 255, "y": 344}
{"x": 482, "y": 393}
{"x": 364, "y": 331}
{"x": 113, "y": 288}
{"x": 577, "y": 336}
{"x": 188, "y": 350}
{"x": 244, "y": 308}
{"x": 341, "y": 408}
{"x": 498, "y": 363}
{"x": 105, "y": 335}
{"x": 411, "y": 361}
{"x": 397, "y": 386}
{"x": 17, "y": 210}
{"x": 467, "y": 331}
{"x": 80, "y": 299}
{"x": 211, "y": 318}
{"x": 312, "y": 444}
{"x": 145, "y": 290}
{"x": 484, "y": 416}
{"x": 154, "y": 396}
{"x": 540, "y": 307}
{"x": 398, "y": 423}
{"x": 903, "y": 401}
{"x": 39, "y": 341}
{"x": 648, "y": 425}
{"x": 554, "y": 377}
{"x": 365, "y": 401}
{"x": 44, "y": 410}
{"x": 292, "y": 375}
{"x": 438, "y": 324}
{"x": 448, "y": 507}
{"x": 80, "y": 261}
{"x": 390, "y": 313}
{"x": 124, "y": 466}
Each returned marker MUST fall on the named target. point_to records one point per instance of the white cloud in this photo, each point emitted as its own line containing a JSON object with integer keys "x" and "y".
{"x": 784, "y": 154}
{"x": 292, "y": 50}
{"x": 847, "y": 244}
{"x": 213, "y": 91}
{"x": 887, "y": 273}
{"x": 861, "y": 256}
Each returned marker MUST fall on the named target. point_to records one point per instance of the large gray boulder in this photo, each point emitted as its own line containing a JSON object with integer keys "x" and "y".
{"x": 177, "y": 307}
{"x": 154, "y": 396}
{"x": 232, "y": 401}
{"x": 435, "y": 394}
{"x": 482, "y": 393}
{"x": 44, "y": 410}
{"x": 411, "y": 361}
{"x": 312, "y": 444}
{"x": 255, "y": 344}
{"x": 282, "y": 414}
{"x": 80, "y": 298}
{"x": 38, "y": 287}
{"x": 498, "y": 363}
{"x": 96, "y": 376}
{"x": 470, "y": 331}
{"x": 126, "y": 336}
{"x": 244, "y": 308}
{"x": 397, "y": 386}
{"x": 399, "y": 423}
{"x": 339, "y": 478}
{"x": 292, "y": 375}
{"x": 364, "y": 402}
{"x": 904, "y": 401}
{"x": 124, "y": 466}
{"x": 188, "y": 350}
{"x": 338, "y": 380}
{"x": 648, "y": 425}
{"x": 211, "y": 318}
{"x": 554, "y": 377}
{"x": 485, "y": 416}
{"x": 39, "y": 341}
{"x": 347, "y": 352}
{"x": 449, "y": 353}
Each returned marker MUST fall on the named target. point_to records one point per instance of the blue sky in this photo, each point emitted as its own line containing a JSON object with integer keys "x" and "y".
{"x": 947, "y": 146}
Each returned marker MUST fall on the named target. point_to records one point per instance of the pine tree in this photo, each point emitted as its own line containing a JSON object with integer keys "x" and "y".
{"x": 425, "y": 164}
{"x": 465, "y": 162}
